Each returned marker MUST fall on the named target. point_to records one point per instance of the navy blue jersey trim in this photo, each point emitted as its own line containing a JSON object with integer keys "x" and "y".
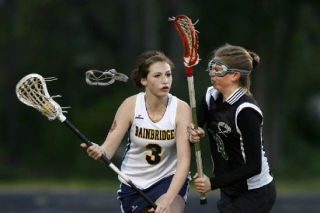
{"x": 236, "y": 96}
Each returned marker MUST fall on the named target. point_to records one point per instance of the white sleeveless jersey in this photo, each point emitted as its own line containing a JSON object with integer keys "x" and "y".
{"x": 151, "y": 152}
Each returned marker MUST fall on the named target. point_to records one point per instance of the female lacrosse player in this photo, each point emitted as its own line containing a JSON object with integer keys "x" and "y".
{"x": 234, "y": 124}
{"x": 157, "y": 158}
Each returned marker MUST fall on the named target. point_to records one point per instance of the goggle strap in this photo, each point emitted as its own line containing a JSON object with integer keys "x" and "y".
{"x": 216, "y": 61}
{"x": 226, "y": 68}
{"x": 242, "y": 72}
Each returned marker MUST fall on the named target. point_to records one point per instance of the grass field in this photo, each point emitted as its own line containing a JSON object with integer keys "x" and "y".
{"x": 308, "y": 185}
{"x": 97, "y": 196}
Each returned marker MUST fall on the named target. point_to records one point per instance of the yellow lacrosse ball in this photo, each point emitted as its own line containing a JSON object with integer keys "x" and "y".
{"x": 47, "y": 107}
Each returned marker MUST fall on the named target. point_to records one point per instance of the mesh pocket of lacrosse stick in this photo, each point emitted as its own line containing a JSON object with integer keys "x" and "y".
{"x": 189, "y": 38}
{"x": 104, "y": 78}
{"x": 32, "y": 91}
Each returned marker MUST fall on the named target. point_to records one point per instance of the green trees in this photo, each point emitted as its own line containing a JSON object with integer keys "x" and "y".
{"x": 66, "y": 38}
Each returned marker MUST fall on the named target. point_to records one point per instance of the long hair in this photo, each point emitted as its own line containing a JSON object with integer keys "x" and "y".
{"x": 145, "y": 60}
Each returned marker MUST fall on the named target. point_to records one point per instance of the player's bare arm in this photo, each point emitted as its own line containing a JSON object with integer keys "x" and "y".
{"x": 120, "y": 125}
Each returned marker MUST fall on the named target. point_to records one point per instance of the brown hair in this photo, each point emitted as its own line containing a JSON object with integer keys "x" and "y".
{"x": 238, "y": 57}
{"x": 145, "y": 60}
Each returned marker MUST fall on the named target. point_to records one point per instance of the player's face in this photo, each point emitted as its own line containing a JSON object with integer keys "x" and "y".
{"x": 219, "y": 82}
{"x": 159, "y": 79}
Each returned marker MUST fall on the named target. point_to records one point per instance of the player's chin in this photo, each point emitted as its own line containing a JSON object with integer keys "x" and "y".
{"x": 163, "y": 92}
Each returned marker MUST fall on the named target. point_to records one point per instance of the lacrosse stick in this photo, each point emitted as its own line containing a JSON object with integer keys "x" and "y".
{"x": 104, "y": 78}
{"x": 32, "y": 91}
{"x": 189, "y": 37}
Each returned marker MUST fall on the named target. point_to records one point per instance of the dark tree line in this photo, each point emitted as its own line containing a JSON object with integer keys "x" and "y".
{"x": 66, "y": 38}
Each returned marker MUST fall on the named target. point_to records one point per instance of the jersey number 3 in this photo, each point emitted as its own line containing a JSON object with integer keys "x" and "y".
{"x": 155, "y": 156}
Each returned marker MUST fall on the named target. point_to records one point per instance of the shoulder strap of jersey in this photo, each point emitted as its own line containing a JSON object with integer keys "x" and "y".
{"x": 172, "y": 108}
{"x": 140, "y": 104}
{"x": 246, "y": 105}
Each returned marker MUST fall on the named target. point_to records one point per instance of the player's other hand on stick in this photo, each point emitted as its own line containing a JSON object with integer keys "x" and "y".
{"x": 95, "y": 151}
{"x": 203, "y": 185}
{"x": 194, "y": 135}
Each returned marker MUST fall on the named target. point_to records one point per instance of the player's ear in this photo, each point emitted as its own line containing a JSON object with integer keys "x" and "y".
{"x": 143, "y": 81}
{"x": 236, "y": 76}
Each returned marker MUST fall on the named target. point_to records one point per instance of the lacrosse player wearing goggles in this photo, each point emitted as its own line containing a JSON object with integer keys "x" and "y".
{"x": 234, "y": 122}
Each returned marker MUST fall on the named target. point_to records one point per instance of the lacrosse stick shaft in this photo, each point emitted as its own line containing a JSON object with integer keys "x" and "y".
{"x": 192, "y": 99}
{"x": 109, "y": 163}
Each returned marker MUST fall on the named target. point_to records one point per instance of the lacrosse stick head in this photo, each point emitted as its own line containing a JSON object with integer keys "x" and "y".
{"x": 189, "y": 38}
{"x": 32, "y": 91}
{"x": 104, "y": 78}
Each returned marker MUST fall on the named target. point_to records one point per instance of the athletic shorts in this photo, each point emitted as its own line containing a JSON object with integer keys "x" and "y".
{"x": 259, "y": 200}
{"x": 132, "y": 202}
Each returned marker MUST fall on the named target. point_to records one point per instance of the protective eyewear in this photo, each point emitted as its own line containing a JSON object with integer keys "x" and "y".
{"x": 221, "y": 69}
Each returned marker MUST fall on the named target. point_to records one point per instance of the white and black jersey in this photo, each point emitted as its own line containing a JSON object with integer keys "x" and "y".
{"x": 235, "y": 134}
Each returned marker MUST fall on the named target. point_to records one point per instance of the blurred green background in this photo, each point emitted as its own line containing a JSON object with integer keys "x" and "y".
{"x": 66, "y": 38}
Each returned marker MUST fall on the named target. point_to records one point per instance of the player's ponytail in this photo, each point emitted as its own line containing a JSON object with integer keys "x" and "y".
{"x": 255, "y": 59}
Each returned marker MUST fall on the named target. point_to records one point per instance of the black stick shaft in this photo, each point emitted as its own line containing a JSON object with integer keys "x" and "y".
{"x": 109, "y": 163}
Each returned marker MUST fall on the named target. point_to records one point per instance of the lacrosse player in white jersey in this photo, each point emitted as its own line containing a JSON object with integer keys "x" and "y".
{"x": 157, "y": 158}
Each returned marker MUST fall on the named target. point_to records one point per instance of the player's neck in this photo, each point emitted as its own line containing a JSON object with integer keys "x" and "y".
{"x": 229, "y": 91}
{"x": 154, "y": 102}
{"x": 156, "y": 106}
